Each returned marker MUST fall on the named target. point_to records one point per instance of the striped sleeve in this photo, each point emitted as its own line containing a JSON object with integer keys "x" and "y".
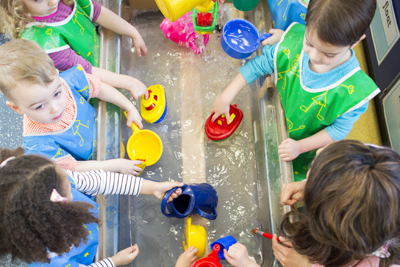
{"x": 67, "y": 58}
{"x": 104, "y": 263}
{"x": 96, "y": 11}
{"x": 106, "y": 183}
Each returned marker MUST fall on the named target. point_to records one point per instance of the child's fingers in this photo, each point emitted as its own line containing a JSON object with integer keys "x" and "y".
{"x": 137, "y": 121}
{"x": 193, "y": 251}
{"x": 175, "y": 194}
{"x": 286, "y": 158}
{"x": 215, "y": 116}
{"x": 286, "y": 195}
{"x": 137, "y": 162}
{"x": 144, "y": 51}
{"x": 146, "y": 94}
{"x": 227, "y": 256}
{"x": 228, "y": 118}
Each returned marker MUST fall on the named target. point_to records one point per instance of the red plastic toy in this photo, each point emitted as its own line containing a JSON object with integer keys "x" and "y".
{"x": 204, "y": 19}
{"x": 212, "y": 259}
{"x": 220, "y": 129}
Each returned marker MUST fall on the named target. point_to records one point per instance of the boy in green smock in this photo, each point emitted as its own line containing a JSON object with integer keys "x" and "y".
{"x": 320, "y": 83}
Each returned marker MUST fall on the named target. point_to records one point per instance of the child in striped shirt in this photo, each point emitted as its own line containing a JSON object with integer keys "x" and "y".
{"x": 48, "y": 220}
{"x": 58, "y": 120}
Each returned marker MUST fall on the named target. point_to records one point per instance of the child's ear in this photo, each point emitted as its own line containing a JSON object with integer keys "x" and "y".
{"x": 361, "y": 38}
{"x": 14, "y": 107}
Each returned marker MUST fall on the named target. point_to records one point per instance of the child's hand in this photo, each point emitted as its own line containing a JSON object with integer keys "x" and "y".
{"x": 126, "y": 166}
{"x": 220, "y": 106}
{"x": 276, "y": 37}
{"x": 286, "y": 254}
{"x": 187, "y": 258}
{"x": 133, "y": 116}
{"x": 139, "y": 44}
{"x": 137, "y": 89}
{"x": 161, "y": 188}
{"x": 237, "y": 255}
{"x": 289, "y": 149}
{"x": 292, "y": 192}
{"x": 125, "y": 256}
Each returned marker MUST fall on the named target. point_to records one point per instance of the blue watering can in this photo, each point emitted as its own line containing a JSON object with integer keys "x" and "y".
{"x": 195, "y": 198}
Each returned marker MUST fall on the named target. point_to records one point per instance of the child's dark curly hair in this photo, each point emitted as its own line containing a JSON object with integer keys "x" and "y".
{"x": 30, "y": 224}
{"x": 352, "y": 198}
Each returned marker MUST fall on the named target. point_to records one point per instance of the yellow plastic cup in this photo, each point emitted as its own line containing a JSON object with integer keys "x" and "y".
{"x": 144, "y": 145}
{"x": 174, "y": 9}
{"x": 195, "y": 236}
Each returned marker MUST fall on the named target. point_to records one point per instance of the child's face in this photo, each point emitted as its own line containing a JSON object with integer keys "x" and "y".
{"x": 40, "y": 103}
{"x": 41, "y": 8}
{"x": 322, "y": 54}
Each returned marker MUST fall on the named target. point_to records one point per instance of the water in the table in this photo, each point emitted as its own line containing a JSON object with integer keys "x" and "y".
{"x": 229, "y": 165}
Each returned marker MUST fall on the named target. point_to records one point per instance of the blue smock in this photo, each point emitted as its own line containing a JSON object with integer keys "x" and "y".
{"x": 79, "y": 138}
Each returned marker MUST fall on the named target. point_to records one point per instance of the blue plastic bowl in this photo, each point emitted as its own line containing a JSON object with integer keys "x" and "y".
{"x": 240, "y": 38}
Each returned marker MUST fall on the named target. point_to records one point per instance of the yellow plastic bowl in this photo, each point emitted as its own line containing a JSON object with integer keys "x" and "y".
{"x": 144, "y": 145}
{"x": 195, "y": 236}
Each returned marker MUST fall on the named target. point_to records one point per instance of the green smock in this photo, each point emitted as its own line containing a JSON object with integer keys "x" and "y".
{"x": 77, "y": 32}
{"x": 309, "y": 111}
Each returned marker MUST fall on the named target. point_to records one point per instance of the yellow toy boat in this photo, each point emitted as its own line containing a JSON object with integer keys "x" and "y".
{"x": 154, "y": 109}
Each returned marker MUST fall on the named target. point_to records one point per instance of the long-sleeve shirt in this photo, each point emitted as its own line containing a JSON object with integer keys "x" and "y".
{"x": 106, "y": 183}
{"x": 67, "y": 58}
{"x": 264, "y": 64}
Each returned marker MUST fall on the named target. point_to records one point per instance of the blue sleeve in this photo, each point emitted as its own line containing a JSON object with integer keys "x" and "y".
{"x": 260, "y": 65}
{"x": 341, "y": 127}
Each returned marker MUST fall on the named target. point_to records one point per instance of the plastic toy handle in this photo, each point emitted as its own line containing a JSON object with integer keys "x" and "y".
{"x": 133, "y": 126}
{"x": 206, "y": 215}
{"x": 264, "y": 36}
{"x": 206, "y": 6}
{"x": 165, "y": 200}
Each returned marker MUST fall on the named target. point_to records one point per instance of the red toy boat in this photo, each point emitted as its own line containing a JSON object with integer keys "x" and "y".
{"x": 220, "y": 129}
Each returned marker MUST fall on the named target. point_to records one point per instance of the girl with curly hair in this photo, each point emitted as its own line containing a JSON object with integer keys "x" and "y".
{"x": 352, "y": 201}
{"x": 46, "y": 217}
{"x": 65, "y": 30}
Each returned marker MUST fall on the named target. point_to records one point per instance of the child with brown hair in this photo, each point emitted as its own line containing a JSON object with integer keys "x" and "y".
{"x": 320, "y": 83}
{"x": 46, "y": 218}
{"x": 58, "y": 120}
{"x": 352, "y": 218}
{"x": 65, "y": 30}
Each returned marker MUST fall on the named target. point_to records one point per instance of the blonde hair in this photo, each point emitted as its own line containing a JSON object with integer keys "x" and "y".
{"x": 18, "y": 16}
{"x": 24, "y": 61}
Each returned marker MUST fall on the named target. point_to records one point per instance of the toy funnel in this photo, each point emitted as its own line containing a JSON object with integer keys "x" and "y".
{"x": 144, "y": 145}
{"x": 201, "y": 199}
{"x": 212, "y": 259}
{"x": 183, "y": 33}
{"x": 204, "y": 23}
{"x": 220, "y": 129}
{"x": 240, "y": 38}
{"x": 154, "y": 109}
{"x": 174, "y": 9}
{"x": 195, "y": 236}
